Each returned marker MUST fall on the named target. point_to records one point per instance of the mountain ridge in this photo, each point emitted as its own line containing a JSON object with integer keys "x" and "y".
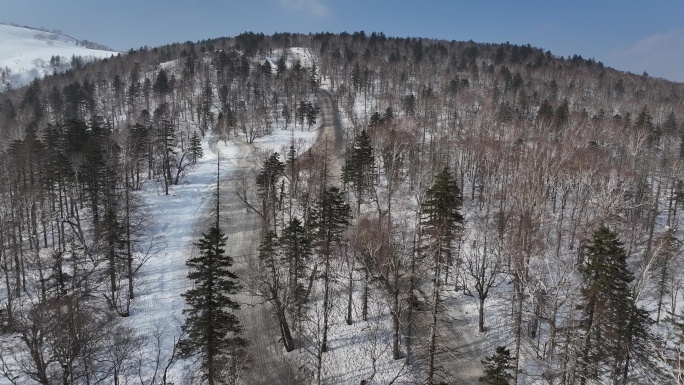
{"x": 27, "y": 53}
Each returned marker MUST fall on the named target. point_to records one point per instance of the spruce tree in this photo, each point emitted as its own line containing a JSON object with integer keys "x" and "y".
{"x": 213, "y": 331}
{"x": 441, "y": 214}
{"x": 441, "y": 220}
{"x": 329, "y": 218}
{"x": 359, "y": 166}
{"x": 266, "y": 181}
{"x": 296, "y": 247}
{"x": 612, "y": 326}
{"x": 195, "y": 149}
{"x": 497, "y": 367}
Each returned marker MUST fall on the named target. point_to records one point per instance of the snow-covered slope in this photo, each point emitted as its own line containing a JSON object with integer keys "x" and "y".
{"x": 26, "y": 54}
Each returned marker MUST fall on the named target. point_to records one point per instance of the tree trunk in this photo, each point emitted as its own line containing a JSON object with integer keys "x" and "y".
{"x": 285, "y": 331}
{"x": 364, "y": 311}
{"x": 396, "y": 354}
{"x": 349, "y": 298}
{"x": 480, "y": 320}
{"x": 433, "y": 328}
{"x": 412, "y": 301}
{"x": 326, "y": 294}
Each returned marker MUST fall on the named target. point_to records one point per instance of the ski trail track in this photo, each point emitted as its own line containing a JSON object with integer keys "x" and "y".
{"x": 265, "y": 363}
{"x": 460, "y": 348}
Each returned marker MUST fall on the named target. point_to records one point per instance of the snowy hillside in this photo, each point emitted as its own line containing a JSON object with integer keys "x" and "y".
{"x": 26, "y": 54}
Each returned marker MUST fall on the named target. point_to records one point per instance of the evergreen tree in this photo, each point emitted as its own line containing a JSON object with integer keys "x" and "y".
{"x": 195, "y": 149}
{"x": 266, "y": 181}
{"x": 166, "y": 141}
{"x": 311, "y": 113}
{"x": 328, "y": 219}
{"x": 161, "y": 83}
{"x": 359, "y": 166}
{"x": 296, "y": 247}
{"x": 441, "y": 210}
{"x": 442, "y": 219}
{"x": 562, "y": 114}
{"x": 545, "y": 113}
{"x": 611, "y": 324}
{"x": 497, "y": 367}
{"x": 206, "y": 116}
{"x": 213, "y": 332}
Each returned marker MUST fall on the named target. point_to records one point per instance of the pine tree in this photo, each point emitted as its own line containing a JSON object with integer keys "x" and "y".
{"x": 611, "y": 324}
{"x": 359, "y": 166}
{"x": 213, "y": 332}
{"x": 266, "y": 181}
{"x": 442, "y": 216}
{"x": 296, "y": 247}
{"x": 166, "y": 141}
{"x": 497, "y": 367}
{"x": 328, "y": 219}
{"x": 206, "y": 116}
{"x": 545, "y": 113}
{"x": 195, "y": 148}
{"x": 442, "y": 219}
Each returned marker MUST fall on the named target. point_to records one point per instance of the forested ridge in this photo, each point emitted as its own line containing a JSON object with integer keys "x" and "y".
{"x": 545, "y": 191}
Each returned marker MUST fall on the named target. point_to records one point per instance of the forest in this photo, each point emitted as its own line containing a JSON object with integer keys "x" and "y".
{"x": 539, "y": 194}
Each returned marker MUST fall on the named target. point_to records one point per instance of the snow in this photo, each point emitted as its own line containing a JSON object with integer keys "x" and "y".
{"x": 292, "y": 55}
{"x": 180, "y": 218}
{"x": 25, "y": 54}
{"x": 355, "y": 351}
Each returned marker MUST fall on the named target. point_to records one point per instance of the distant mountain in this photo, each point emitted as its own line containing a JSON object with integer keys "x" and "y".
{"x": 27, "y": 53}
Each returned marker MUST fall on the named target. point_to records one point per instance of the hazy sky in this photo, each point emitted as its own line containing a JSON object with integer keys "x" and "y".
{"x": 629, "y": 35}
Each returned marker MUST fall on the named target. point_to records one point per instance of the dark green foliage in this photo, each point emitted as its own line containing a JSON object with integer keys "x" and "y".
{"x": 308, "y": 112}
{"x": 441, "y": 209}
{"x": 330, "y": 216}
{"x": 644, "y": 119}
{"x": 269, "y": 174}
{"x": 166, "y": 142}
{"x": 358, "y": 170}
{"x": 613, "y": 328}
{"x": 670, "y": 125}
{"x": 206, "y": 115}
{"x": 161, "y": 83}
{"x": 195, "y": 148}
{"x": 545, "y": 113}
{"x": 376, "y": 119}
{"x": 296, "y": 248}
{"x": 328, "y": 220}
{"x": 562, "y": 114}
{"x": 409, "y": 105}
{"x": 498, "y": 367}
{"x": 267, "y": 181}
{"x": 212, "y": 330}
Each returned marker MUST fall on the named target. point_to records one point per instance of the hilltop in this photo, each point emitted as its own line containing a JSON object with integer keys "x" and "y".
{"x": 28, "y": 53}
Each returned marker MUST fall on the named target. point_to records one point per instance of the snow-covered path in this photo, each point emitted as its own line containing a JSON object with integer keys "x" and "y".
{"x": 180, "y": 219}
{"x": 460, "y": 348}
{"x": 266, "y": 364}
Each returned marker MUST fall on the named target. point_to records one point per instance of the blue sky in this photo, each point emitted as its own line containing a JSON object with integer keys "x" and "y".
{"x": 629, "y": 35}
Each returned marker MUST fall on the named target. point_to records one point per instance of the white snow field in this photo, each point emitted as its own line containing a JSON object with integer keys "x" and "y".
{"x": 26, "y": 53}
{"x": 180, "y": 218}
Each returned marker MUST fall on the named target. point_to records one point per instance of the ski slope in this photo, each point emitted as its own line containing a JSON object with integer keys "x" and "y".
{"x": 25, "y": 54}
